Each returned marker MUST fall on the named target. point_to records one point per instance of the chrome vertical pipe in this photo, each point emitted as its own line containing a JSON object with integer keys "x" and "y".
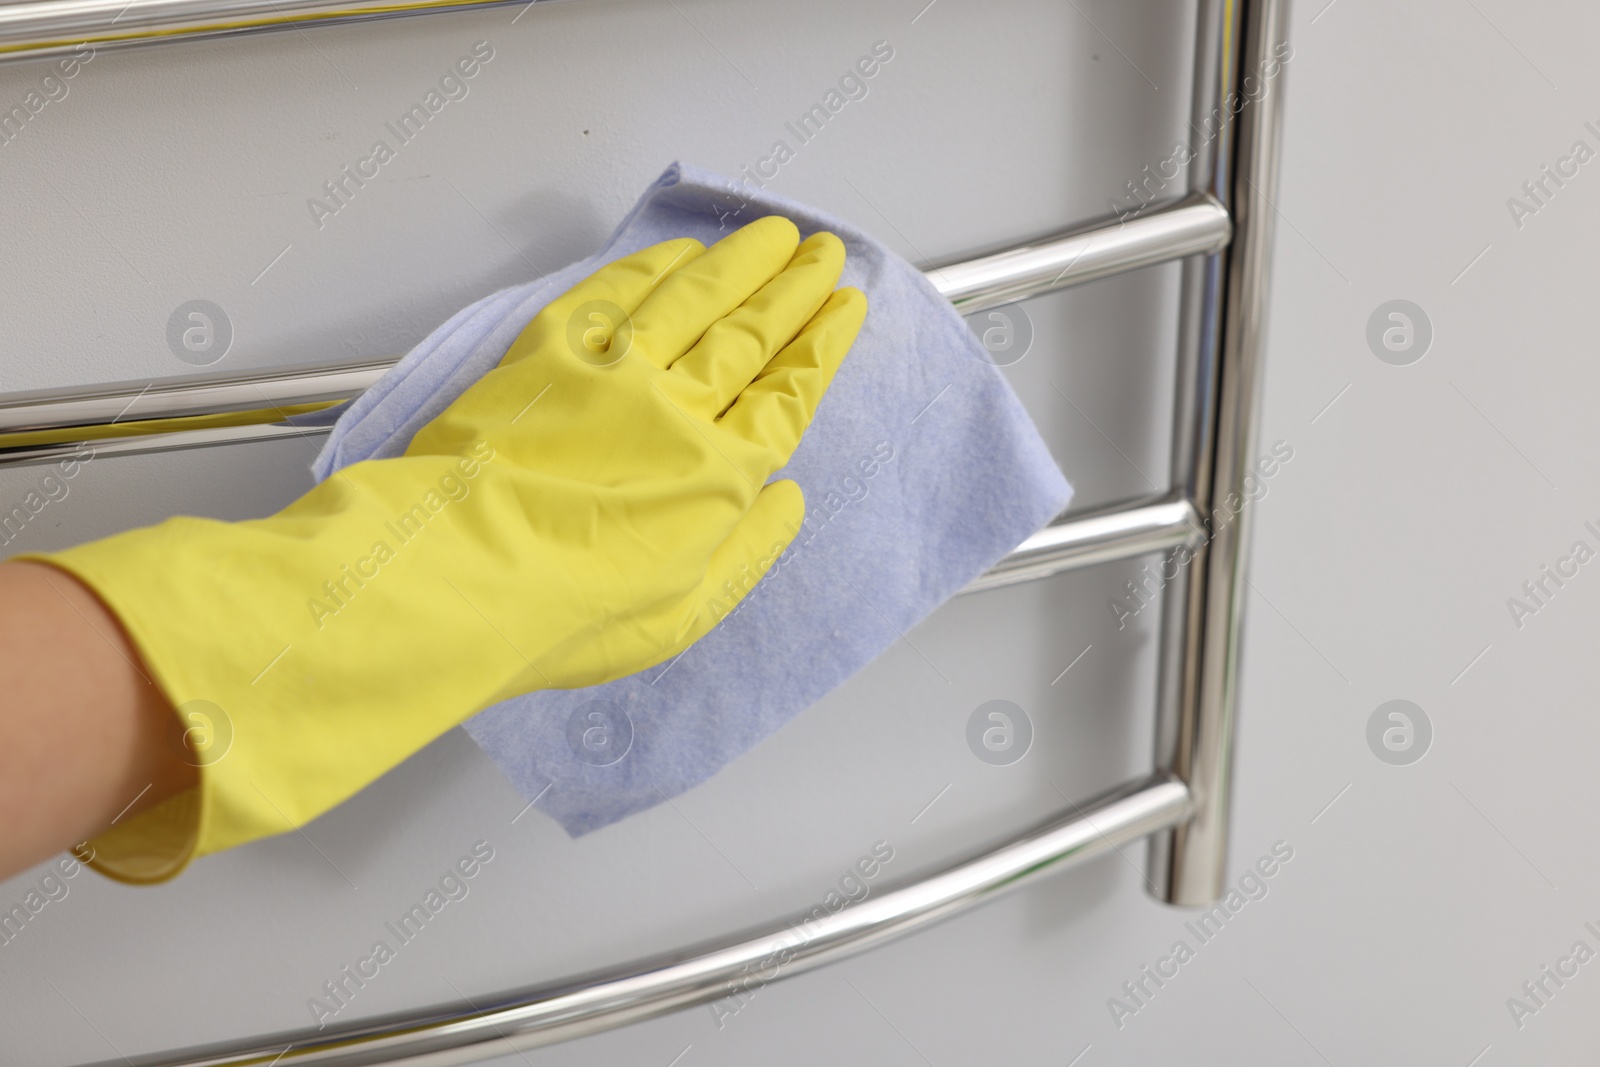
{"x": 1194, "y": 407}
{"x": 1214, "y": 443}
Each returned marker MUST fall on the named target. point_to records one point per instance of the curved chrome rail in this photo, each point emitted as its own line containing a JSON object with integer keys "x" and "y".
{"x": 524, "y": 1019}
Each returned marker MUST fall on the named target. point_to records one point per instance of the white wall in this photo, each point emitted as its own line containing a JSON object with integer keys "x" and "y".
{"x": 1413, "y": 507}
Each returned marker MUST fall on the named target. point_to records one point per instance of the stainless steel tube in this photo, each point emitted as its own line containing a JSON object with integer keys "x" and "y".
{"x": 529, "y": 1018}
{"x": 1192, "y": 226}
{"x": 53, "y": 27}
{"x": 136, "y": 416}
{"x": 1094, "y": 537}
{"x": 126, "y": 404}
{"x": 1195, "y": 733}
{"x": 1194, "y": 400}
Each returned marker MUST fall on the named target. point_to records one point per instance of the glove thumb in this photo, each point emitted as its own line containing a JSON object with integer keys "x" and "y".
{"x": 750, "y": 551}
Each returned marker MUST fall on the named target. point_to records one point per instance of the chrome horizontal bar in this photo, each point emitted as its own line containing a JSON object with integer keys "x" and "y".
{"x": 158, "y": 442}
{"x": 134, "y": 410}
{"x": 533, "y": 1017}
{"x": 1085, "y": 540}
{"x": 124, "y": 404}
{"x": 1194, "y": 225}
{"x": 39, "y": 28}
{"x": 1073, "y": 541}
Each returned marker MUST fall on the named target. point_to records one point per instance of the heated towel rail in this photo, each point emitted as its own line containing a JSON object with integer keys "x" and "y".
{"x": 1223, "y": 231}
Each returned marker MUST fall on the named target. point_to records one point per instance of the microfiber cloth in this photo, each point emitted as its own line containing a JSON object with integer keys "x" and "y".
{"x": 920, "y": 471}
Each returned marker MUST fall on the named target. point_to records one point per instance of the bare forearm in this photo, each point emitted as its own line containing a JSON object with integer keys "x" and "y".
{"x": 85, "y": 738}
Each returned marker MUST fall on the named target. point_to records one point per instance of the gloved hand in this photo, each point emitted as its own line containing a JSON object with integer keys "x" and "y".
{"x": 589, "y": 508}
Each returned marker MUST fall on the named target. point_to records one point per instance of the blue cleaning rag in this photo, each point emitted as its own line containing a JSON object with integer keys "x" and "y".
{"x": 920, "y": 471}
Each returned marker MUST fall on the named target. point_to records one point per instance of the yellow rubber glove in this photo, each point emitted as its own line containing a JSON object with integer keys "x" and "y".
{"x": 577, "y": 515}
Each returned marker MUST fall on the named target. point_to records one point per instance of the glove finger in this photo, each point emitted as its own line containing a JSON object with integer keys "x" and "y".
{"x": 580, "y": 324}
{"x": 750, "y": 551}
{"x": 586, "y": 318}
{"x": 775, "y": 409}
{"x": 737, "y": 346}
{"x": 685, "y": 304}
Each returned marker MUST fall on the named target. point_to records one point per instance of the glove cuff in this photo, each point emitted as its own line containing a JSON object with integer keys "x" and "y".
{"x": 154, "y": 845}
